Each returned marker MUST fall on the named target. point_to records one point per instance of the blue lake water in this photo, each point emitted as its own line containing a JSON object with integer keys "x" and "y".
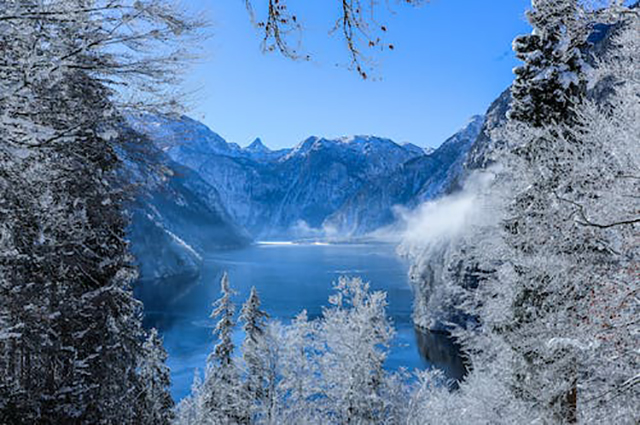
{"x": 289, "y": 278}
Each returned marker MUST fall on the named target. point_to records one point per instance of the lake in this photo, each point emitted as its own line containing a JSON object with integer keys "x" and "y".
{"x": 289, "y": 278}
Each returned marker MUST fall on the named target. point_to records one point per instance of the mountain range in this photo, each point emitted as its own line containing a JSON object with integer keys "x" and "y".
{"x": 215, "y": 194}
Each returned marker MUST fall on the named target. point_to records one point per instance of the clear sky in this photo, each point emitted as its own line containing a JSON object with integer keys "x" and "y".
{"x": 451, "y": 59}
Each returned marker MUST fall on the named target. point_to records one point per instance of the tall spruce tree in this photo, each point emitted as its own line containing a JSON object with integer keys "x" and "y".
{"x": 254, "y": 350}
{"x": 549, "y": 250}
{"x": 548, "y": 88}
{"x": 224, "y": 401}
{"x": 156, "y": 404}
{"x": 552, "y": 79}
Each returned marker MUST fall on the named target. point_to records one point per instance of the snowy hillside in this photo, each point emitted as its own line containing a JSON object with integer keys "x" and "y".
{"x": 424, "y": 177}
{"x": 176, "y": 216}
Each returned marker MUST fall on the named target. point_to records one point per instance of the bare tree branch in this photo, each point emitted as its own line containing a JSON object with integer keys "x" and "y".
{"x": 356, "y": 24}
{"x": 587, "y": 222}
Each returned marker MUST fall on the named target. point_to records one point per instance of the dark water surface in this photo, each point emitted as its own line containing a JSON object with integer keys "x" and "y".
{"x": 289, "y": 278}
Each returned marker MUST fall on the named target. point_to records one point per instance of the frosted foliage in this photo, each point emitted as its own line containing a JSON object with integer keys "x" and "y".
{"x": 552, "y": 77}
{"x": 71, "y": 346}
{"x": 259, "y": 358}
{"x": 154, "y": 373}
{"x": 221, "y": 393}
{"x": 551, "y": 320}
{"x": 356, "y": 335}
{"x": 329, "y": 370}
{"x": 535, "y": 275}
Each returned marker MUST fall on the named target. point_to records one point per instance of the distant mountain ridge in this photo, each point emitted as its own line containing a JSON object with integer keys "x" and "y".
{"x": 283, "y": 193}
{"x": 416, "y": 181}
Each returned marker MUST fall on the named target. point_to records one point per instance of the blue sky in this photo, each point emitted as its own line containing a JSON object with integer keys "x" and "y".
{"x": 451, "y": 59}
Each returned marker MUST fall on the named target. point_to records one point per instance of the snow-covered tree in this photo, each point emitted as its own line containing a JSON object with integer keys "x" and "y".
{"x": 190, "y": 410}
{"x": 224, "y": 399}
{"x": 552, "y": 78}
{"x": 297, "y": 386}
{"x": 569, "y": 233}
{"x": 258, "y": 382}
{"x": 71, "y": 336}
{"x": 329, "y": 370}
{"x": 560, "y": 258}
{"x": 553, "y": 336}
{"x": 356, "y": 334}
{"x": 156, "y": 404}
{"x": 224, "y": 311}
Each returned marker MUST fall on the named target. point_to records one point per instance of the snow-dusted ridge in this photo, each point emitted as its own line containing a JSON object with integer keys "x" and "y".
{"x": 287, "y": 192}
{"x": 323, "y": 188}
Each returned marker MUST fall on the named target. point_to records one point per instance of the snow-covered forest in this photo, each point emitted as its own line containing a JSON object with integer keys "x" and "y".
{"x": 530, "y": 261}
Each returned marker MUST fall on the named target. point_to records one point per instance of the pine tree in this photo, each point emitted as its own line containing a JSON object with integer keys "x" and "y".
{"x": 156, "y": 403}
{"x": 562, "y": 260}
{"x": 224, "y": 400}
{"x": 190, "y": 410}
{"x": 552, "y": 79}
{"x": 224, "y": 309}
{"x": 546, "y": 92}
{"x": 71, "y": 335}
{"x": 254, "y": 351}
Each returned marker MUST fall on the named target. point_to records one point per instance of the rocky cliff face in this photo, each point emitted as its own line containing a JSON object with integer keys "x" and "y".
{"x": 417, "y": 180}
{"x": 176, "y": 215}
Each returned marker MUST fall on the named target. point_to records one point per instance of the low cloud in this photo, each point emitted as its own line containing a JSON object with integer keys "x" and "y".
{"x": 436, "y": 222}
{"x": 302, "y": 230}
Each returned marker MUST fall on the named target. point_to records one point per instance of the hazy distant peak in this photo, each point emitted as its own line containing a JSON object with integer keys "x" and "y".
{"x": 415, "y": 149}
{"x": 257, "y": 147}
{"x": 361, "y": 138}
{"x": 469, "y": 131}
{"x": 474, "y": 122}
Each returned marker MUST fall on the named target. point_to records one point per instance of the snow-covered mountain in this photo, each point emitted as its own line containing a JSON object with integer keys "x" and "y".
{"x": 176, "y": 215}
{"x": 344, "y": 187}
{"x": 289, "y": 192}
{"x": 325, "y": 174}
{"x": 257, "y": 151}
{"x": 422, "y": 178}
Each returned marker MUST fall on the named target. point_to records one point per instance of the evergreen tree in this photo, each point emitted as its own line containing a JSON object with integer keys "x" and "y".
{"x": 156, "y": 403}
{"x": 223, "y": 397}
{"x": 224, "y": 310}
{"x": 552, "y": 79}
{"x": 254, "y": 351}
{"x": 71, "y": 337}
{"x": 557, "y": 304}
{"x": 190, "y": 410}
{"x": 546, "y": 92}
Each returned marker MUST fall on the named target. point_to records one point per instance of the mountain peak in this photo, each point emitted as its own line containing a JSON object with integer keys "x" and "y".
{"x": 415, "y": 149}
{"x": 469, "y": 132}
{"x": 257, "y": 147}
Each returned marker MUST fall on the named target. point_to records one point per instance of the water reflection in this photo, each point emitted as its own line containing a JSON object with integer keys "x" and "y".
{"x": 442, "y": 352}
